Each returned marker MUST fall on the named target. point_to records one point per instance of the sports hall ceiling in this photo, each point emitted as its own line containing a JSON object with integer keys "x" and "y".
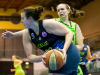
{"x": 19, "y": 4}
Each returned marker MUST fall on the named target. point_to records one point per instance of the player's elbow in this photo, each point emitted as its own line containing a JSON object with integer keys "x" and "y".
{"x": 81, "y": 46}
{"x": 30, "y": 59}
{"x": 70, "y": 34}
{"x": 21, "y": 61}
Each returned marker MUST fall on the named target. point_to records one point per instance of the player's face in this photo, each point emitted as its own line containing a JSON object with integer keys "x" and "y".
{"x": 24, "y": 20}
{"x": 13, "y": 58}
{"x": 62, "y": 10}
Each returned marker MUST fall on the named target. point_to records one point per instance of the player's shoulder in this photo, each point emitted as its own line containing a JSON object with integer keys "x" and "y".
{"x": 26, "y": 32}
{"x": 48, "y": 22}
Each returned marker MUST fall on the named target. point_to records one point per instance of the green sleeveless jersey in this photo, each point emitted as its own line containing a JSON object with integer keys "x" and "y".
{"x": 72, "y": 28}
{"x": 18, "y": 67}
{"x": 19, "y": 70}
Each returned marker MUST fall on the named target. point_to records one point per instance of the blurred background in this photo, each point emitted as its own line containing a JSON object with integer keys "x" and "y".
{"x": 10, "y": 20}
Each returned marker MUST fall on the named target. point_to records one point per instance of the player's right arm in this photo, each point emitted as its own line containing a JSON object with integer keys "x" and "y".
{"x": 28, "y": 47}
{"x": 12, "y": 70}
{"x": 9, "y": 34}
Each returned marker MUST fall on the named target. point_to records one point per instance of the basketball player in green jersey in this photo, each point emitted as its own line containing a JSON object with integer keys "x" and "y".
{"x": 17, "y": 65}
{"x": 65, "y": 20}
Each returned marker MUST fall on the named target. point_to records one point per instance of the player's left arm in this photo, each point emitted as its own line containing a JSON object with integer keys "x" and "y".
{"x": 13, "y": 70}
{"x": 89, "y": 57}
{"x": 79, "y": 38}
{"x": 59, "y": 29}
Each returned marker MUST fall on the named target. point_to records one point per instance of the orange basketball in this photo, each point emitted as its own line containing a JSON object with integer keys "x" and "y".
{"x": 54, "y": 59}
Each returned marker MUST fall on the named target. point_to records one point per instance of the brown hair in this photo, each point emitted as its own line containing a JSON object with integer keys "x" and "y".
{"x": 33, "y": 12}
{"x": 73, "y": 12}
{"x": 17, "y": 57}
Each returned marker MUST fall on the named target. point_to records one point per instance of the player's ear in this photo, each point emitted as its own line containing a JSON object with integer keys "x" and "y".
{"x": 69, "y": 11}
{"x": 30, "y": 18}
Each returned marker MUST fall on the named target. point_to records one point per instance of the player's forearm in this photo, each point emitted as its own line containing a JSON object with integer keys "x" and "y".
{"x": 19, "y": 63}
{"x": 91, "y": 58}
{"x": 19, "y": 33}
{"x": 68, "y": 39}
{"x": 34, "y": 58}
{"x": 13, "y": 69}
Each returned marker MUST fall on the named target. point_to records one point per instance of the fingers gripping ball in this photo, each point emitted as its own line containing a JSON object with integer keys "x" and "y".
{"x": 54, "y": 59}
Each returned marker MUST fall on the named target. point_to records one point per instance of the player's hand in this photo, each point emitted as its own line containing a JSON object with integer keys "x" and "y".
{"x": 11, "y": 70}
{"x": 95, "y": 55}
{"x": 44, "y": 63}
{"x": 7, "y": 34}
{"x": 15, "y": 66}
{"x": 65, "y": 55}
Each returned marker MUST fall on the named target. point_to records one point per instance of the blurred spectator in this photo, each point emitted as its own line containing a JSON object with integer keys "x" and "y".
{"x": 48, "y": 17}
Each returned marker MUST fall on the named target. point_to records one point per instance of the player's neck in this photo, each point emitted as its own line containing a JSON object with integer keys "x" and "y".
{"x": 66, "y": 21}
{"x": 35, "y": 27}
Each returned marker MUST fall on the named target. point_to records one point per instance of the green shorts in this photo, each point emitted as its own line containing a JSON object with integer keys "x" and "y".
{"x": 19, "y": 72}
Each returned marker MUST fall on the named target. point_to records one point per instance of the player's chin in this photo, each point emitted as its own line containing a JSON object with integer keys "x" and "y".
{"x": 26, "y": 27}
{"x": 62, "y": 16}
